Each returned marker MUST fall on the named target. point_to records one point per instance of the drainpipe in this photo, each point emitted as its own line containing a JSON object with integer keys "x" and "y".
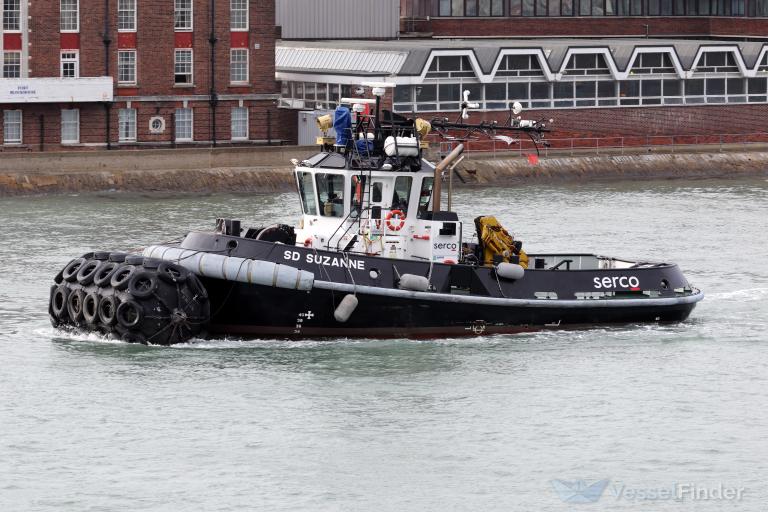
{"x": 107, "y": 41}
{"x": 213, "y": 97}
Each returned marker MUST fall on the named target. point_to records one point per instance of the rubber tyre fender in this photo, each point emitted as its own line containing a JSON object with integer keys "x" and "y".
{"x": 75, "y": 305}
{"x": 122, "y": 276}
{"x": 69, "y": 273}
{"x": 143, "y": 284}
{"x": 103, "y": 276}
{"x": 108, "y": 310}
{"x": 88, "y": 271}
{"x": 59, "y": 298}
{"x": 117, "y": 257}
{"x": 134, "y": 259}
{"x": 172, "y": 273}
{"x": 151, "y": 263}
{"x": 59, "y": 277}
{"x": 91, "y": 307}
{"x": 129, "y": 314}
{"x": 101, "y": 255}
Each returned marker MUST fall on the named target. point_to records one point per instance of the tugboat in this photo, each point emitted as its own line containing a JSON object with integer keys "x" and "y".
{"x": 375, "y": 254}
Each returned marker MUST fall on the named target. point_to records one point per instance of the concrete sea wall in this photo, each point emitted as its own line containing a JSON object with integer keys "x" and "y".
{"x": 267, "y": 169}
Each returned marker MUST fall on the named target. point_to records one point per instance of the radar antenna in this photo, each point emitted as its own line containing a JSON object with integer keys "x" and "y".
{"x": 460, "y": 130}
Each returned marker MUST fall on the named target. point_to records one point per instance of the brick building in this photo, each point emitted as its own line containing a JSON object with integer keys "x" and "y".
{"x": 137, "y": 73}
{"x": 599, "y": 68}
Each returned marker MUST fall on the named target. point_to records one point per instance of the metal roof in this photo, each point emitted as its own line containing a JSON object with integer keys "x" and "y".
{"x": 345, "y": 60}
{"x": 410, "y": 57}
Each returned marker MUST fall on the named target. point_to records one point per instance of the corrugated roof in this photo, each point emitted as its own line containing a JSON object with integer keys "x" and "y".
{"x": 408, "y": 57}
{"x": 344, "y": 60}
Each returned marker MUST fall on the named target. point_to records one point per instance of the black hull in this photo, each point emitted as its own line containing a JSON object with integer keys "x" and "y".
{"x": 260, "y": 311}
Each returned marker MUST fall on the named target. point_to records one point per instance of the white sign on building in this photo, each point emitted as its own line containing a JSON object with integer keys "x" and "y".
{"x": 56, "y": 90}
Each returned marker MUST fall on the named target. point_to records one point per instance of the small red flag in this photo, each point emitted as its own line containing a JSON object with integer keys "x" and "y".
{"x": 533, "y": 159}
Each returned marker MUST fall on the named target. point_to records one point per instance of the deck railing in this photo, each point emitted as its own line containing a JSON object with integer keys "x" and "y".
{"x": 614, "y": 145}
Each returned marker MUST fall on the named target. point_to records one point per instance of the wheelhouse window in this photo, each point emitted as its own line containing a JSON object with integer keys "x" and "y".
{"x": 330, "y": 192}
{"x": 356, "y": 192}
{"x": 425, "y": 195}
{"x": 307, "y": 192}
{"x": 402, "y": 193}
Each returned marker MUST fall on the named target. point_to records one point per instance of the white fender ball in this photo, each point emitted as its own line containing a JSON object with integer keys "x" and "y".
{"x": 511, "y": 271}
{"x": 414, "y": 283}
{"x": 345, "y": 308}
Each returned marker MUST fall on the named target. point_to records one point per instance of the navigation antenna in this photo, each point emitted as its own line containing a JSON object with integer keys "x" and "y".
{"x": 535, "y": 130}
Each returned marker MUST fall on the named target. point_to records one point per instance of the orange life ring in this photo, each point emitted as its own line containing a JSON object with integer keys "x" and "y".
{"x": 400, "y": 216}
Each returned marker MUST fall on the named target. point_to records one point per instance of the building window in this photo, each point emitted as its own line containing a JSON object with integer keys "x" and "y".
{"x": 127, "y": 125}
{"x": 69, "y": 18}
{"x": 11, "y": 64}
{"x": 239, "y": 123}
{"x": 652, "y": 64}
{"x": 183, "y": 124}
{"x": 12, "y": 15}
{"x": 126, "y": 67}
{"x": 182, "y": 67}
{"x": 238, "y": 14}
{"x": 182, "y": 14}
{"x": 450, "y": 67}
{"x": 12, "y": 127}
{"x": 238, "y": 66}
{"x": 70, "y": 126}
{"x": 587, "y": 64}
{"x": 70, "y": 64}
{"x": 716, "y": 62}
{"x": 126, "y": 15}
{"x": 519, "y": 65}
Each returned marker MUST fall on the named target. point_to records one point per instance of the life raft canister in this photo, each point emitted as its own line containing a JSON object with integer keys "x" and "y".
{"x": 399, "y": 216}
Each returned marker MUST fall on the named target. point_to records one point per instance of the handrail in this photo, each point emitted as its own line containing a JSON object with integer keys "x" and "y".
{"x": 574, "y": 145}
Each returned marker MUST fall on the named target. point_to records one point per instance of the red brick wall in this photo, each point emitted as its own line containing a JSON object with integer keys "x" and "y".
{"x": 155, "y": 43}
{"x": 588, "y": 26}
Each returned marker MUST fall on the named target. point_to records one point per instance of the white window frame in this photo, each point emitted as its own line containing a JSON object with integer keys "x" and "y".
{"x": 177, "y": 9}
{"x": 7, "y": 18}
{"x": 5, "y": 63}
{"x": 232, "y": 123}
{"x": 69, "y": 60}
{"x": 232, "y": 53}
{"x": 239, "y": 9}
{"x": 120, "y": 65}
{"x": 77, "y": 122}
{"x": 124, "y": 9}
{"x": 126, "y": 118}
{"x": 7, "y": 141}
{"x": 176, "y": 53}
{"x": 191, "y": 125}
{"x": 77, "y": 17}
